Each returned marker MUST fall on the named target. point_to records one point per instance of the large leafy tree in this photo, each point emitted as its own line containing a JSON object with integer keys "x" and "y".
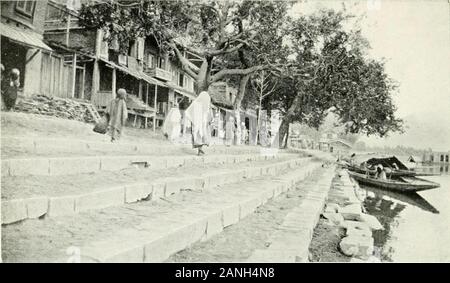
{"x": 332, "y": 72}
{"x": 216, "y": 31}
{"x": 233, "y": 38}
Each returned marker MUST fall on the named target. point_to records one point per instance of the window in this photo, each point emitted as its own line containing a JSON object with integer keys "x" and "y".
{"x": 151, "y": 61}
{"x": 181, "y": 80}
{"x": 161, "y": 63}
{"x": 140, "y": 48}
{"x": 446, "y": 158}
{"x": 132, "y": 48}
{"x": 442, "y": 158}
{"x": 25, "y": 7}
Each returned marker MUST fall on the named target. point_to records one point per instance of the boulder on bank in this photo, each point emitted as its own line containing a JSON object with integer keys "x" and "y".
{"x": 332, "y": 207}
{"x": 371, "y": 221}
{"x": 335, "y": 218}
{"x": 350, "y": 224}
{"x": 351, "y": 212}
{"x": 358, "y": 232}
{"x": 357, "y": 246}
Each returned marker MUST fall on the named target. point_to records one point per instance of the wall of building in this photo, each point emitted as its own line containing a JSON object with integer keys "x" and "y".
{"x": 436, "y": 157}
{"x": 32, "y": 84}
{"x": 13, "y": 16}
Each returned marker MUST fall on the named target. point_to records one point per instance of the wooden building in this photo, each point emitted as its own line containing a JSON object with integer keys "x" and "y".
{"x": 22, "y": 45}
{"x": 153, "y": 81}
{"x": 440, "y": 157}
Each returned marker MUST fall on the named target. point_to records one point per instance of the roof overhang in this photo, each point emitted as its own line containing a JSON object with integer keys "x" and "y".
{"x": 24, "y": 37}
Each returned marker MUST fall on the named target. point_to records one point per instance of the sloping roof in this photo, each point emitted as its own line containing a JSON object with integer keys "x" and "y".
{"x": 387, "y": 162}
{"x": 182, "y": 91}
{"x": 152, "y": 80}
{"x": 22, "y": 36}
{"x": 135, "y": 103}
{"x": 220, "y": 100}
{"x": 341, "y": 142}
{"x": 414, "y": 158}
{"x": 219, "y": 95}
{"x": 135, "y": 73}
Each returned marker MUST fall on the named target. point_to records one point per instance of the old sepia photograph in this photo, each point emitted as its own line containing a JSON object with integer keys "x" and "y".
{"x": 225, "y": 132}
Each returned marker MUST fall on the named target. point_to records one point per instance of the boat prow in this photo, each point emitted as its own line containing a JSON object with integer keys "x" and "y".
{"x": 401, "y": 184}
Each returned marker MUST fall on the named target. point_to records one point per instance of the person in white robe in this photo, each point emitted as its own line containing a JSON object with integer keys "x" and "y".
{"x": 200, "y": 115}
{"x": 172, "y": 124}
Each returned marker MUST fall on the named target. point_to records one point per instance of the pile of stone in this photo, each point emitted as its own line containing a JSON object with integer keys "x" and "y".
{"x": 57, "y": 107}
{"x": 358, "y": 242}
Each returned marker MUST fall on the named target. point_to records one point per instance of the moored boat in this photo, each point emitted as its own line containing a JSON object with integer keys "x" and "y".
{"x": 392, "y": 173}
{"x": 400, "y": 184}
{"x": 395, "y": 168}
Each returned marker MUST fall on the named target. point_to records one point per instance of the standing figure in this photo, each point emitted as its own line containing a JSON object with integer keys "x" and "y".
{"x": 117, "y": 114}
{"x": 10, "y": 85}
{"x": 244, "y": 133}
{"x": 229, "y": 131}
{"x": 172, "y": 124}
{"x": 199, "y": 113}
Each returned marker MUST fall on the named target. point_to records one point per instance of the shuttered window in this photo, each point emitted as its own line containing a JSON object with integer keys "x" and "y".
{"x": 25, "y": 7}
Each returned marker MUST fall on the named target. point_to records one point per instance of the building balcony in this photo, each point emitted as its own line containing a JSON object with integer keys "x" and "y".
{"x": 158, "y": 73}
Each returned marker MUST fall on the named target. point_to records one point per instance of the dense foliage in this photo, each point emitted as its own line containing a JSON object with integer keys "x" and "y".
{"x": 318, "y": 62}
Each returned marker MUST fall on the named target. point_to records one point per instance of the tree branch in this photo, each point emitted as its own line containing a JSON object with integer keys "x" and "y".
{"x": 242, "y": 72}
{"x": 184, "y": 62}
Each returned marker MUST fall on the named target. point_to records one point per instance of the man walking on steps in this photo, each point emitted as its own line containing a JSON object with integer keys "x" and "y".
{"x": 117, "y": 114}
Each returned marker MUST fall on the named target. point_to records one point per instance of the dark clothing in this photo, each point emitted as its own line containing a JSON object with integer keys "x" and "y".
{"x": 9, "y": 94}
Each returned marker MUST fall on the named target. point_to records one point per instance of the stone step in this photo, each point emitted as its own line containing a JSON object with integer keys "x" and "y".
{"x": 17, "y": 146}
{"x": 34, "y": 197}
{"x": 67, "y": 165}
{"x": 144, "y": 231}
{"x": 290, "y": 243}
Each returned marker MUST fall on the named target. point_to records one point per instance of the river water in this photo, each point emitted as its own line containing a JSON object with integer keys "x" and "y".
{"x": 417, "y": 226}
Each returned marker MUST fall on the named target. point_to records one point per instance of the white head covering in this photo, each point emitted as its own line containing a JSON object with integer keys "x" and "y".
{"x": 197, "y": 113}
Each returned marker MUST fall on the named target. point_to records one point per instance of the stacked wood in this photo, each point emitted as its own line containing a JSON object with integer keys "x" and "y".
{"x": 57, "y": 107}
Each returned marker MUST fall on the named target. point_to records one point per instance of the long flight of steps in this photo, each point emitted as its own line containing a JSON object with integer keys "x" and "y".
{"x": 92, "y": 201}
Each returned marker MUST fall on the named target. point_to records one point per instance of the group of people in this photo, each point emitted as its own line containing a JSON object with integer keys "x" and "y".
{"x": 199, "y": 114}
{"x": 201, "y": 119}
{"x": 9, "y": 87}
{"x": 230, "y": 132}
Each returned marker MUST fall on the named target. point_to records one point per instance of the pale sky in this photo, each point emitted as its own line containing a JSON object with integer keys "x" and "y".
{"x": 414, "y": 37}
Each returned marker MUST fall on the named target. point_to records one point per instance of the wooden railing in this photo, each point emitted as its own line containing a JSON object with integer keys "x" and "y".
{"x": 159, "y": 73}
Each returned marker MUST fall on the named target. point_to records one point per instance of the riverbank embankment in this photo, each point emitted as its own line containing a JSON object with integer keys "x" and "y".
{"x": 344, "y": 231}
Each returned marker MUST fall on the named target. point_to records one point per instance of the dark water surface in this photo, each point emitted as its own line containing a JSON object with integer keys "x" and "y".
{"x": 417, "y": 226}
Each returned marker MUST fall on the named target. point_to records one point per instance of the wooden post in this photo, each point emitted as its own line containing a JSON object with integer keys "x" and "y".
{"x": 68, "y": 29}
{"x": 113, "y": 83}
{"x": 156, "y": 110}
{"x": 83, "y": 81}
{"x": 61, "y": 77}
{"x": 51, "y": 87}
{"x": 147, "y": 86}
{"x": 140, "y": 89}
{"x": 95, "y": 81}
{"x": 146, "y": 98}
{"x": 74, "y": 74}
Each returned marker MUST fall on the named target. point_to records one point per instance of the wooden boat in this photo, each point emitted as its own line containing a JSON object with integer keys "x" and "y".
{"x": 400, "y": 184}
{"x": 393, "y": 173}
{"x": 386, "y": 162}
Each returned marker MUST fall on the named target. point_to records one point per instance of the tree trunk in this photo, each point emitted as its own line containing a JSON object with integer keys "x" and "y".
{"x": 203, "y": 76}
{"x": 258, "y": 121}
{"x": 237, "y": 106}
{"x": 284, "y": 133}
